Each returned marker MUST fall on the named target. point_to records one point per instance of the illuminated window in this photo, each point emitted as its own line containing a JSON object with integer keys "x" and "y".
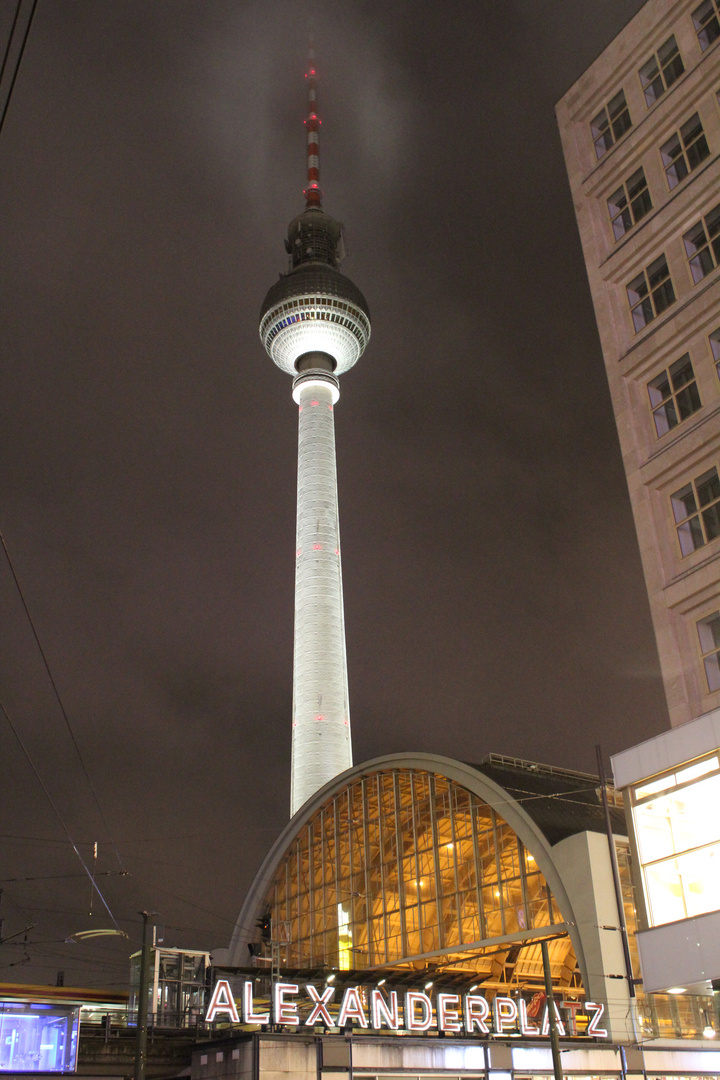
{"x": 629, "y": 203}
{"x": 715, "y": 346}
{"x": 674, "y": 395}
{"x": 650, "y": 293}
{"x": 682, "y": 153}
{"x": 709, "y": 634}
{"x": 38, "y": 1038}
{"x": 702, "y": 245}
{"x": 679, "y": 841}
{"x": 696, "y": 509}
{"x": 705, "y": 20}
{"x": 610, "y": 124}
{"x": 661, "y": 71}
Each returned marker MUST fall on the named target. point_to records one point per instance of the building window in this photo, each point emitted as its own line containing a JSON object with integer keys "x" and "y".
{"x": 715, "y": 346}
{"x": 629, "y": 203}
{"x": 696, "y": 509}
{"x": 650, "y": 293}
{"x": 678, "y": 836}
{"x": 674, "y": 395}
{"x": 702, "y": 244}
{"x": 661, "y": 71}
{"x": 705, "y": 20}
{"x": 709, "y": 634}
{"x": 684, "y": 151}
{"x": 610, "y": 123}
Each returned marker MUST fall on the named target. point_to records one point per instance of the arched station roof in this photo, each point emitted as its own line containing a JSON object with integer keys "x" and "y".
{"x": 519, "y": 809}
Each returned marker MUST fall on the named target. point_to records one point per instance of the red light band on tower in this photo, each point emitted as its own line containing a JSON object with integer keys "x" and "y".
{"x": 312, "y": 193}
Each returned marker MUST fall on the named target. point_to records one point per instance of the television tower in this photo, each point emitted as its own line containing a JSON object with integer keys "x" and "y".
{"x": 315, "y": 324}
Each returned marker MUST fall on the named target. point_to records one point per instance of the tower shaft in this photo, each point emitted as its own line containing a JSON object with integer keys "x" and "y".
{"x": 321, "y": 744}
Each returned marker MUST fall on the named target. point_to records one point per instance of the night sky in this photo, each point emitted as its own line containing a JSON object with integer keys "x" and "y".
{"x": 152, "y": 156}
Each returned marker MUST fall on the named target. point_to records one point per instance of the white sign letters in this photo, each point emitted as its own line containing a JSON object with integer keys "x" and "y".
{"x": 452, "y": 1014}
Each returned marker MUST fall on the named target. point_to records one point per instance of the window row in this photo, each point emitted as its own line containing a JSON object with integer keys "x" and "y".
{"x": 656, "y": 76}
{"x": 680, "y": 154}
{"x": 652, "y": 291}
{"x": 674, "y": 394}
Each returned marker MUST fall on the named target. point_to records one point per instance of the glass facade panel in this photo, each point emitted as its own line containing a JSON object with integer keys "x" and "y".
{"x": 406, "y": 868}
{"x": 679, "y": 842}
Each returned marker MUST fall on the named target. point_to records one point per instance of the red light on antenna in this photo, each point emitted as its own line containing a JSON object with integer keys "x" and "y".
{"x": 314, "y": 402}
{"x": 317, "y": 547}
{"x": 319, "y": 717}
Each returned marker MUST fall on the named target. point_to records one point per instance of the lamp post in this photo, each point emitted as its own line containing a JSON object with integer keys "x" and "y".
{"x": 142, "y": 1013}
{"x": 552, "y": 1021}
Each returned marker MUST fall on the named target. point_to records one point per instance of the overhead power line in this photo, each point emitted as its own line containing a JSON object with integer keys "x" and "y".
{"x": 57, "y": 692}
{"x": 59, "y": 816}
{"x": 8, "y": 50}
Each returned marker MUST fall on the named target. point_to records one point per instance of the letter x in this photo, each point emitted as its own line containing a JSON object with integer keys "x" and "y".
{"x": 320, "y": 1015}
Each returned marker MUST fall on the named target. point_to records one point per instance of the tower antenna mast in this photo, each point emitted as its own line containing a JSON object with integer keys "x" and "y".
{"x": 313, "y": 192}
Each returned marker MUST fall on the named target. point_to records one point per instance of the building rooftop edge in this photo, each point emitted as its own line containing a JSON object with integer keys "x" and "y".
{"x": 664, "y": 751}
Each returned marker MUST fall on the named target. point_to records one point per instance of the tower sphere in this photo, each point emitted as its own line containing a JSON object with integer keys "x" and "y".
{"x": 314, "y": 308}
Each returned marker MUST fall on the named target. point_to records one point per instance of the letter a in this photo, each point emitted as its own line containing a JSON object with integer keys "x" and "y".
{"x": 222, "y": 1001}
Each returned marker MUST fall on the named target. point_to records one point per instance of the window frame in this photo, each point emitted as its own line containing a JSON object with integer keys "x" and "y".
{"x": 702, "y": 245}
{"x": 673, "y": 403}
{"x": 626, "y": 206}
{"x": 610, "y": 122}
{"x": 662, "y": 288}
{"x": 659, "y": 799}
{"x": 714, "y": 342}
{"x": 686, "y": 149}
{"x": 711, "y": 19}
{"x": 711, "y": 654}
{"x": 695, "y": 522}
{"x": 648, "y": 80}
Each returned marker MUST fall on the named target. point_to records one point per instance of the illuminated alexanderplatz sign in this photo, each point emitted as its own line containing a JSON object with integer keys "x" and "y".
{"x": 375, "y": 1009}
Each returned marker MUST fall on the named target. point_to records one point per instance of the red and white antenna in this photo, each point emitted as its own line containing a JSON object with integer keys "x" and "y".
{"x": 312, "y": 193}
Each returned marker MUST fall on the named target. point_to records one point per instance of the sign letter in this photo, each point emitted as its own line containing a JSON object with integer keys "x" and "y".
{"x": 319, "y": 1014}
{"x": 598, "y": 1010}
{"x": 558, "y": 1020}
{"x": 476, "y": 1013}
{"x": 381, "y": 1011}
{"x": 412, "y": 1021}
{"x": 222, "y": 1001}
{"x": 351, "y": 1008}
{"x": 249, "y": 1014}
{"x": 505, "y": 1014}
{"x": 285, "y": 1012}
{"x": 448, "y": 1012}
{"x": 526, "y": 1027}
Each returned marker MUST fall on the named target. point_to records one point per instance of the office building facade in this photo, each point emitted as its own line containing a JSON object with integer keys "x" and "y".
{"x": 641, "y": 136}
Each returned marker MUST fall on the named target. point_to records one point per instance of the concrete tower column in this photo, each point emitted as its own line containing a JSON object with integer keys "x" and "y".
{"x": 321, "y": 745}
